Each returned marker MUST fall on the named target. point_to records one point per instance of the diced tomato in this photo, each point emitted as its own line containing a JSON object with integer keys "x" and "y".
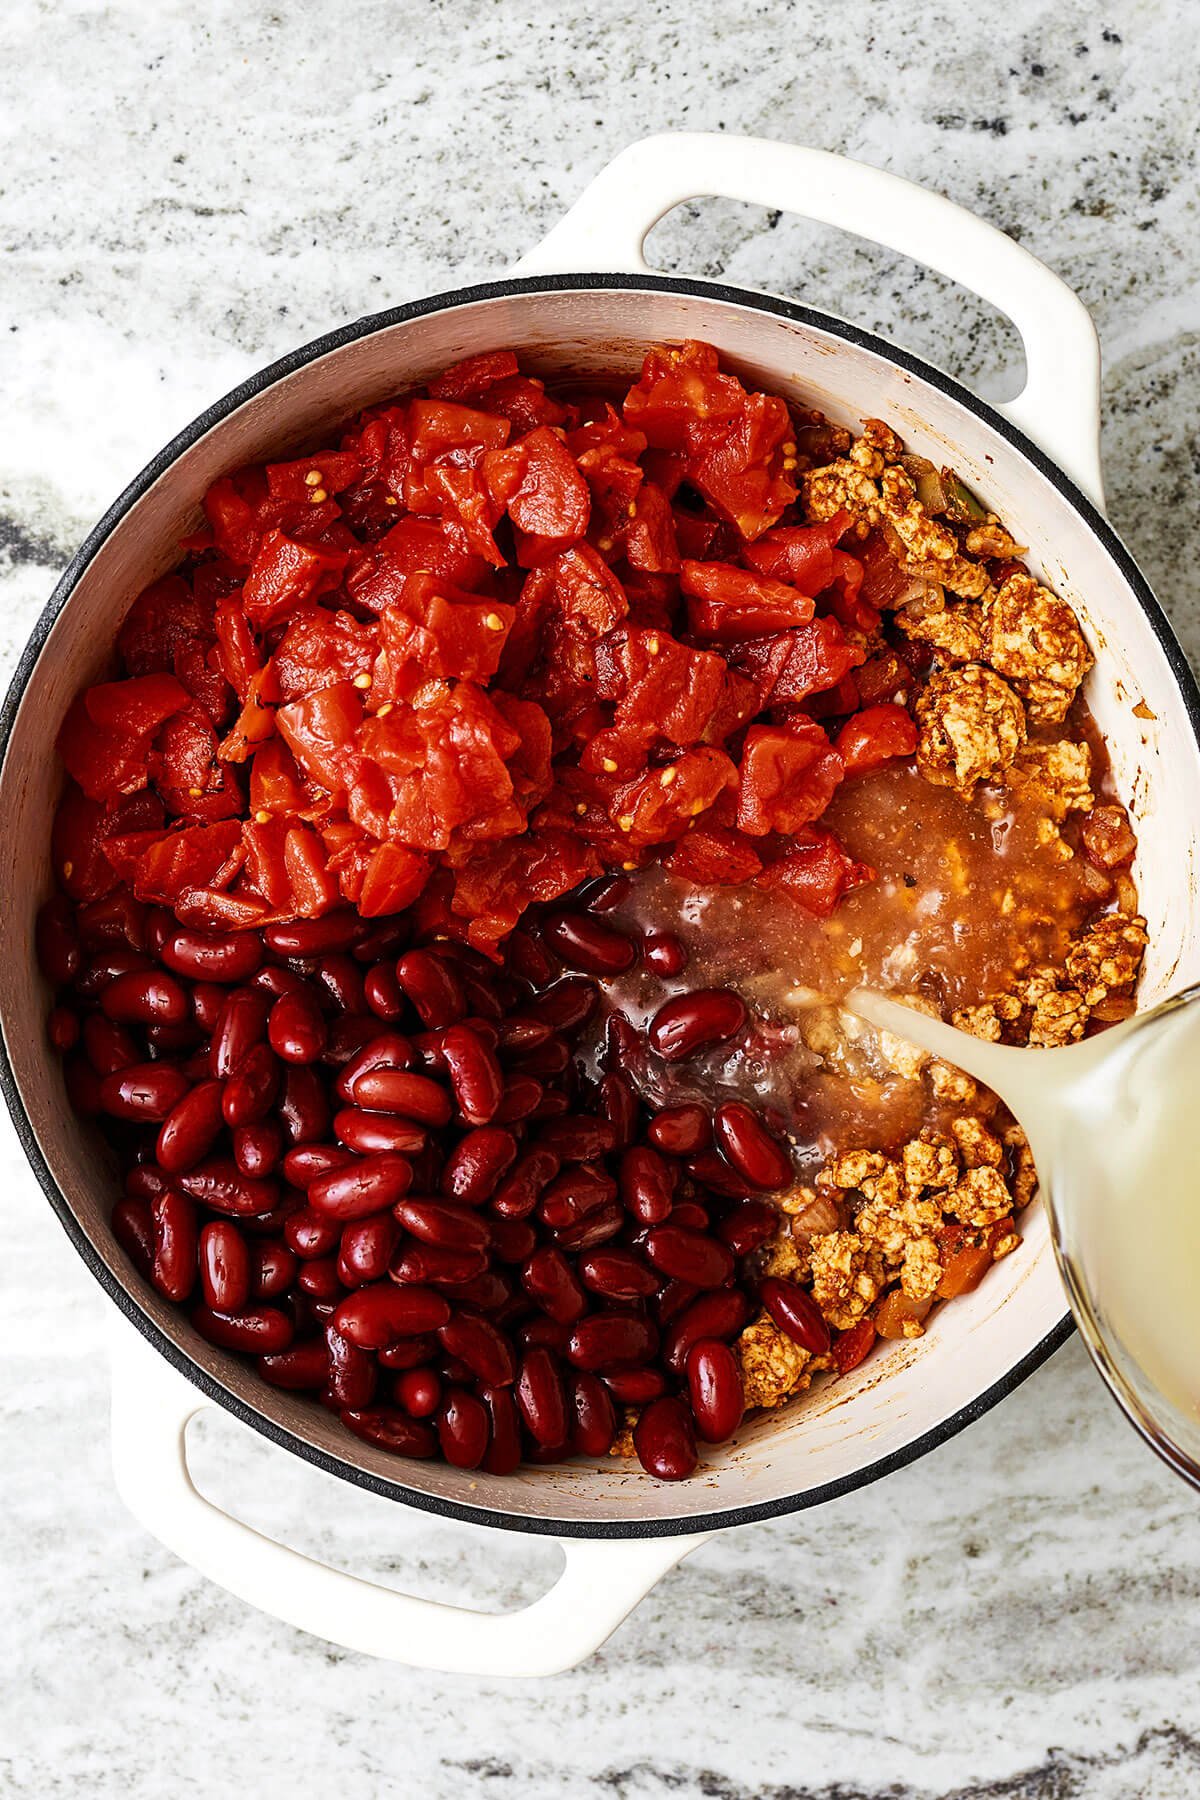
{"x": 183, "y": 859}
{"x": 435, "y": 629}
{"x": 714, "y": 855}
{"x": 590, "y": 599}
{"x": 680, "y": 388}
{"x": 320, "y": 731}
{"x": 794, "y": 664}
{"x": 469, "y": 379}
{"x": 164, "y": 617}
{"x": 524, "y": 402}
{"x": 884, "y": 577}
{"x": 801, "y": 555}
{"x": 136, "y": 707}
{"x": 105, "y": 763}
{"x": 393, "y": 878}
{"x": 312, "y": 889}
{"x": 233, "y": 521}
{"x": 852, "y": 1347}
{"x": 726, "y": 603}
{"x": 661, "y": 805}
{"x": 740, "y": 472}
{"x": 650, "y": 533}
{"x": 788, "y": 777}
{"x": 669, "y": 691}
{"x": 439, "y": 426}
{"x": 320, "y": 647}
{"x": 874, "y": 736}
{"x": 193, "y": 782}
{"x": 284, "y": 574}
{"x": 256, "y": 721}
{"x": 816, "y": 871}
{"x": 293, "y": 481}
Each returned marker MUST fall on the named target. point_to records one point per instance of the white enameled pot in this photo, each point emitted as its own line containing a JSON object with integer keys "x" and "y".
{"x": 585, "y": 302}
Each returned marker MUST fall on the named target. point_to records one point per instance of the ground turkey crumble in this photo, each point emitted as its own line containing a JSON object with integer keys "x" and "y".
{"x": 880, "y": 1237}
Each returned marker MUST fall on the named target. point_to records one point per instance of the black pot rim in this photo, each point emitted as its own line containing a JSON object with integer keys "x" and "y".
{"x": 197, "y": 1373}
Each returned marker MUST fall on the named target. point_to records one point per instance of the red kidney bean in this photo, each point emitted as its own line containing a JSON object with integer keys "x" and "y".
{"x": 528, "y": 959}
{"x": 303, "y": 1368}
{"x": 224, "y": 1267}
{"x": 605, "y": 894}
{"x": 715, "y": 1390}
{"x": 101, "y": 970}
{"x": 693, "y": 1022}
{"x": 310, "y": 937}
{"x": 205, "y": 956}
{"x": 242, "y": 1025}
{"x": 272, "y": 1270}
{"x": 573, "y": 1194}
{"x": 520, "y": 1033}
{"x": 275, "y": 981}
{"x": 623, "y": 1046}
{"x": 349, "y": 1035}
{"x": 716, "y": 1315}
{"x": 612, "y": 1340}
{"x": 351, "y": 1379}
{"x": 664, "y": 954}
{"x": 381, "y": 938}
{"x": 419, "y": 1392}
{"x": 374, "y": 1317}
{"x": 423, "y": 1263}
{"x": 492, "y": 1292}
{"x": 540, "y": 1399}
{"x": 689, "y": 1255}
{"x": 257, "y": 1331}
{"x": 462, "y": 1428}
{"x": 108, "y": 1046}
{"x": 383, "y": 993}
{"x": 310, "y": 1235}
{"x": 474, "y": 1167}
{"x": 796, "y": 1313}
{"x": 251, "y": 1090}
{"x": 56, "y": 938}
{"x": 517, "y": 1195}
{"x": 438, "y": 1222}
{"x": 399, "y": 1091}
{"x": 191, "y": 1128}
{"x": 342, "y": 979}
{"x": 173, "y": 1270}
{"x": 370, "y": 1133}
{"x": 133, "y": 1228}
{"x": 512, "y": 1240}
{"x": 680, "y": 1130}
{"x": 543, "y": 1332}
{"x": 504, "y": 1437}
{"x": 474, "y": 1073}
{"x": 549, "y": 1280}
{"x": 296, "y": 1027}
{"x": 408, "y": 1353}
{"x": 218, "y": 1183}
{"x": 147, "y": 997}
{"x": 593, "y": 1419}
{"x": 304, "y": 1162}
{"x": 389, "y": 1429}
{"x": 366, "y": 1248}
{"x": 646, "y": 1184}
{"x": 691, "y": 1214}
{"x": 116, "y": 918}
{"x": 665, "y": 1439}
{"x": 169, "y": 1040}
{"x": 302, "y": 1110}
{"x": 578, "y": 1138}
{"x": 62, "y": 1028}
{"x": 476, "y": 1342}
{"x": 746, "y": 1143}
{"x": 207, "y": 1001}
{"x": 550, "y": 1058}
{"x": 83, "y": 1087}
{"x": 370, "y": 1184}
{"x": 567, "y": 1006}
{"x": 619, "y": 1102}
{"x": 257, "y": 1148}
{"x": 582, "y": 942}
{"x": 712, "y": 1171}
{"x": 749, "y": 1226}
{"x": 635, "y": 1387}
{"x": 618, "y": 1275}
{"x": 597, "y": 1227}
{"x": 143, "y": 1181}
{"x": 522, "y": 1096}
{"x": 432, "y": 987}
{"x": 319, "y": 1278}
{"x": 143, "y": 1092}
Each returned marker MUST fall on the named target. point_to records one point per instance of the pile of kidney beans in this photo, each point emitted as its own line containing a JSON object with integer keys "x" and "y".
{"x": 381, "y": 1172}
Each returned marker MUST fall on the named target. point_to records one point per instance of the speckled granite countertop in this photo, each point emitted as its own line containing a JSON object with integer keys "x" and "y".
{"x": 185, "y": 193}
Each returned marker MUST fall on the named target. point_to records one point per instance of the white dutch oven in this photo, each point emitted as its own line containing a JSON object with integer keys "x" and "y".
{"x": 1035, "y": 462}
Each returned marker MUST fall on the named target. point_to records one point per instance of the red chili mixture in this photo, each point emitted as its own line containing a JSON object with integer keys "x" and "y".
{"x": 460, "y": 876}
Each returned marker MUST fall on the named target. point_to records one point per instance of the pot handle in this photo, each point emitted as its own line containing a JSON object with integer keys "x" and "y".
{"x": 601, "y": 1582}
{"x": 1059, "y": 407}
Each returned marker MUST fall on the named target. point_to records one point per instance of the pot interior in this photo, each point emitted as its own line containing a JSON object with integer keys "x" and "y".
{"x": 906, "y": 1394}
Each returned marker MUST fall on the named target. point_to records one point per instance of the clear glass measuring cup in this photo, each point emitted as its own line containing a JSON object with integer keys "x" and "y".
{"x": 1114, "y": 1126}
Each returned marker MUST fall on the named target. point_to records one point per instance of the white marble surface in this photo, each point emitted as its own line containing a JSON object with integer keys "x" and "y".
{"x": 188, "y": 191}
